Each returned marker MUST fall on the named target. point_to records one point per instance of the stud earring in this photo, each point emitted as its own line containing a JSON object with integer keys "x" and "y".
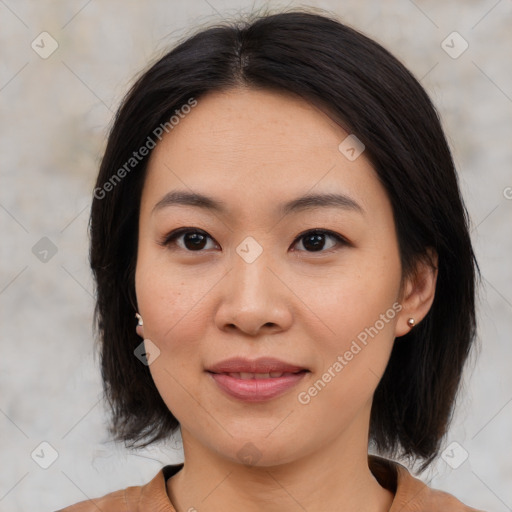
{"x": 411, "y": 322}
{"x": 140, "y": 322}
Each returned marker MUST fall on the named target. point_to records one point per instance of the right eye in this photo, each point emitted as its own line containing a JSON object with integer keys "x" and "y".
{"x": 192, "y": 239}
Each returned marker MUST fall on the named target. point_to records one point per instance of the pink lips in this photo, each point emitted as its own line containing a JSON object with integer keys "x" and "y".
{"x": 245, "y": 387}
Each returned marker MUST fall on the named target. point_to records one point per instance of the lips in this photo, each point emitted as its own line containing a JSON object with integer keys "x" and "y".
{"x": 258, "y": 380}
{"x": 257, "y": 368}
{"x": 249, "y": 375}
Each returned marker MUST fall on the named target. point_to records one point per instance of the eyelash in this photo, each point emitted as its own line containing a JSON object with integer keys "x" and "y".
{"x": 170, "y": 239}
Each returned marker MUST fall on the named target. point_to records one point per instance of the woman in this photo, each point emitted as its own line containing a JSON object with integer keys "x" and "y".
{"x": 278, "y": 207}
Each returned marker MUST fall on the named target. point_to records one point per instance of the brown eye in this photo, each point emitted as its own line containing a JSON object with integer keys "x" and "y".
{"x": 315, "y": 240}
{"x": 195, "y": 240}
{"x": 191, "y": 239}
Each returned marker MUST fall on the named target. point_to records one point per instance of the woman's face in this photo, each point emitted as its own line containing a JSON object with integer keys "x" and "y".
{"x": 249, "y": 281}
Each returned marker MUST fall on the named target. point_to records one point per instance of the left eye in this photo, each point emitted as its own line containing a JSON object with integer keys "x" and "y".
{"x": 315, "y": 240}
{"x": 194, "y": 240}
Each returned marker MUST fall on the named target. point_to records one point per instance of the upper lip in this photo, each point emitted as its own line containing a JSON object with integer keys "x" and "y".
{"x": 260, "y": 365}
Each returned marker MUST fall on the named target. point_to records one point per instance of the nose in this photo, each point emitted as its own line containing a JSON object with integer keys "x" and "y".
{"x": 254, "y": 299}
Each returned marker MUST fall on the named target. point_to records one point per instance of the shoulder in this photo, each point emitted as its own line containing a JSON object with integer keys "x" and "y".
{"x": 151, "y": 496}
{"x": 413, "y": 495}
{"x": 124, "y": 500}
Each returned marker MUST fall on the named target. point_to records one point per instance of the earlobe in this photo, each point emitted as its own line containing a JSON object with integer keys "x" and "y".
{"x": 140, "y": 326}
{"x": 419, "y": 293}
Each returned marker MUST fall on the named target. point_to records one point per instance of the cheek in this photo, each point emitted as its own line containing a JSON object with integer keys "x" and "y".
{"x": 355, "y": 297}
{"x": 165, "y": 306}
{"x": 360, "y": 308}
{"x": 352, "y": 364}
{"x": 175, "y": 320}
{"x": 171, "y": 310}
{"x": 166, "y": 295}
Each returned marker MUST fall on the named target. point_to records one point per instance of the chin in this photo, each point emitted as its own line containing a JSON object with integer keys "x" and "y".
{"x": 259, "y": 451}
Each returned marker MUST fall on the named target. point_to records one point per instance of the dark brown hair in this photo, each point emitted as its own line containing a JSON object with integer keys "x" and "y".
{"x": 370, "y": 94}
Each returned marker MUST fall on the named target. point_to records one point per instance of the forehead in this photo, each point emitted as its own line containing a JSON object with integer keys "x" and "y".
{"x": 243, "y": 121}
{"x": 257, "y": 146}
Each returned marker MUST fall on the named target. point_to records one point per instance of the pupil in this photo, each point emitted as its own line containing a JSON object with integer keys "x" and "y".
{"x": 196, "y": 239}
{"x": 317, "y": 242}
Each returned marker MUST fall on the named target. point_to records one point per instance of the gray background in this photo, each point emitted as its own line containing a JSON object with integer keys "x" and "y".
{"x": 55, "y": 114}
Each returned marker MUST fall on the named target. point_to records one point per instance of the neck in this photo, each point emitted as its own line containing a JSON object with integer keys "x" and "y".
{"x": 336, "y": 476}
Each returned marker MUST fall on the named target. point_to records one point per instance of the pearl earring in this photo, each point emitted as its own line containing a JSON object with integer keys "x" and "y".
{"x": 411, "y": 322}
{"x": 140, "y": 322}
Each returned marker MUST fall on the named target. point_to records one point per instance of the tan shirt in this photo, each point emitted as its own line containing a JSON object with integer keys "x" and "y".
{"x": 411, "y": 495}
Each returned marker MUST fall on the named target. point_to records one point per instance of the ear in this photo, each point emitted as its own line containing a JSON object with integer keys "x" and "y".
{"x": 140, "y": 331}
{"x": 418, "y": 293}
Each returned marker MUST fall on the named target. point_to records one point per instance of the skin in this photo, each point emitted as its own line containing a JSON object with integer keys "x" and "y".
{"x": 254, "y": 150}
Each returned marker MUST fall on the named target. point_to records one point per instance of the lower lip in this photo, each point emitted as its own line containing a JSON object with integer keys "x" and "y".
{"x": 256, "y": 390}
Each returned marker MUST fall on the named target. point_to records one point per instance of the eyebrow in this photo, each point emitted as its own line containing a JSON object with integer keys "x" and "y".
{"x": 306, "y": 202}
